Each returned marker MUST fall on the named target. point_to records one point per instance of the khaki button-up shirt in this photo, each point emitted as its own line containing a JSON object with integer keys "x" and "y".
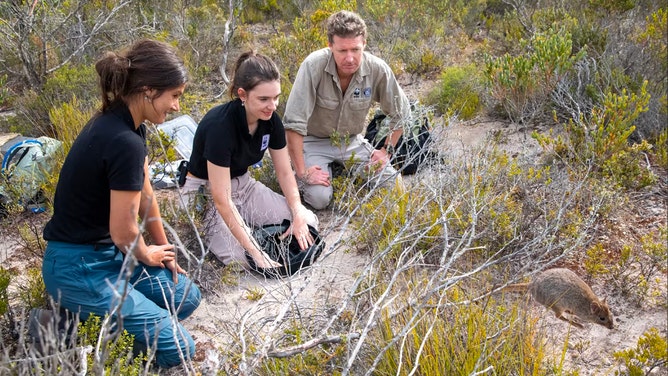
{"x": 317, "y": 107}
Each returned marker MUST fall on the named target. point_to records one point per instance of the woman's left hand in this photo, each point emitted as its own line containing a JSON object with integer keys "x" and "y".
{"x": 163, "y": 256}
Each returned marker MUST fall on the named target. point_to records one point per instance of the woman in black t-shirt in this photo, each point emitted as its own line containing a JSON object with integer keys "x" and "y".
{"x": 229, "y": 139}
{"x": 96, "y": 259}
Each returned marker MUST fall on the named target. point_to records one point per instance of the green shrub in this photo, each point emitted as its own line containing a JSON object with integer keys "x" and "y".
{"x": 320, "y": 360}
{"x": 67, "y": 119}
{"x": 457, "y": 92}
{"x": 649, "y": 356}
{"x": 387, "y": 216}
{"x": 63, "y": 86}
{"x": 635, "y": 268}
{"x": 660, "y": 149}
{"x": 290, "y": 49}
{"x": 5, "y": 278}
{"x": 266, "y": 174}
{"x": 4, "y": 92}
{"x": 161, "y": 147}
{"x": 458, "y": 339}
{"x": 417, "y": 55}
{"x": 602, "y": 141}
{"x": 614, "y": 5}
{"x": 30, "y": 238}
{"x": 522, "y": 84}
{"x": 32, "y": 293}
{"x": 651, "y": 63}
{"x": 115, "y": 351}
{"x": 595, "y": 260}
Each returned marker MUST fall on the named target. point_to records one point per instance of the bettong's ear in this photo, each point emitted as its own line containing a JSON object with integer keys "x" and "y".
{"x": 599, "y": 307}
{"x": 595, "y": 307}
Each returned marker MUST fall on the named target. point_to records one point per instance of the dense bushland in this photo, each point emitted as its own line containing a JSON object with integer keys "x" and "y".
{"x": 587, "y": 79}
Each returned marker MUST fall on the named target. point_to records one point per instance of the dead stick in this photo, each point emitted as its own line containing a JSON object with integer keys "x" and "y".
{"x": 290, "y": 351}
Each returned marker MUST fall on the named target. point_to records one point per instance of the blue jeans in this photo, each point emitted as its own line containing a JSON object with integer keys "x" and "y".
{"x": 88, "y": 279}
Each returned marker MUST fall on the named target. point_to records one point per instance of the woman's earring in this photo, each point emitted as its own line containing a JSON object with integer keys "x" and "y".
{"x": 243, "y": 103}
{"x": 147, "y": 98}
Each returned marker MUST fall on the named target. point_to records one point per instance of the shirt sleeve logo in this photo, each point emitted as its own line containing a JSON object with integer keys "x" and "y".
{"x": 265, "y": 142}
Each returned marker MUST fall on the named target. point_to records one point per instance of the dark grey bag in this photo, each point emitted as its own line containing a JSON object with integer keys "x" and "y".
{"x": 286, "y": 251}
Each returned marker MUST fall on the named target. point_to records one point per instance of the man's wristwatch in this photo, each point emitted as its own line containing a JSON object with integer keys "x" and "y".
{"x": 389, "y": 149}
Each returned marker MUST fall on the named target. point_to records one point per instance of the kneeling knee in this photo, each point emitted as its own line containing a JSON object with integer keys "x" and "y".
{"x": 191, "y": 302}
{"x": 173, "y": 356}
{"x": 319, "y": 199}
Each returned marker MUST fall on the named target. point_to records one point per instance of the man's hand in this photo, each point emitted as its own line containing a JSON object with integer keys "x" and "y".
{"x": 314, "y": 175}
{"x": 379, "y": 159}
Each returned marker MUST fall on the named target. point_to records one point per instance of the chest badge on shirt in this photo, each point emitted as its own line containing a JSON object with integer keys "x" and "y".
{"x": 265, "y": 142}
{"x": 367, "y": 92}
{"x": 356, "y": 93}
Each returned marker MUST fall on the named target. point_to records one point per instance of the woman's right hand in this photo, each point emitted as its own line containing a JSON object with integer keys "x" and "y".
{"x": 264, "y": 261}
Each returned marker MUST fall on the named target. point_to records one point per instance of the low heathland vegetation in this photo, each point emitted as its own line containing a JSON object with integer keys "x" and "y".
{"x": 411, "y": 279}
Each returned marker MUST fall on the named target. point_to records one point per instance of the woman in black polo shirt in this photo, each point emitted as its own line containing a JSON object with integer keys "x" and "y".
{"x": 96, "y": 259}
{"x": 229, "y": 139}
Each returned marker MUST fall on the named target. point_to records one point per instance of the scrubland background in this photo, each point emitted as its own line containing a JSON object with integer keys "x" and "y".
{"x": 549, "y": 123}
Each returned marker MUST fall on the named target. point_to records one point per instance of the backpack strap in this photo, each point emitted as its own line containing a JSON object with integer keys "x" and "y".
{"x": 15, "y": 149}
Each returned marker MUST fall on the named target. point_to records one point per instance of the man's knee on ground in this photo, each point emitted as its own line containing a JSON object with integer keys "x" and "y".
{"x": 318, "y": 196}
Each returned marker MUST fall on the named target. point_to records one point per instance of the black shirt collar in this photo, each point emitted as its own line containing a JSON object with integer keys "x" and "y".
{"x": 122, "y": 111}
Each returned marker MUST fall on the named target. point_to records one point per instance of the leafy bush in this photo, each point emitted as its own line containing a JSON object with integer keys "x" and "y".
{"x": 32, "y": 293}
{"x": 290, "y": 49}
{"x": 5, "y": 278}
{"x": 68, "y": 119}
{"x": 602, "y": 141}
{"x": 522, "y": 84}
{"x": 661, "y": 149}
{"x": 4, "y": 92}
{"x": 265, "y": 174}
{"x": 650, "y": 61}
{"x": 649, "y": 355}
{"x": 461, "y": 339}
{"x": 66, "y": 85}
{"x": 115, "y": 351}
{"x": 457, "y": 92}
{"x": 417, "y": 55}
{"x": 634, "y": 268}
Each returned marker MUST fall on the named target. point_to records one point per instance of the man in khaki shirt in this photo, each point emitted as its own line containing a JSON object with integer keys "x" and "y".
{"x": 328, "y": 105}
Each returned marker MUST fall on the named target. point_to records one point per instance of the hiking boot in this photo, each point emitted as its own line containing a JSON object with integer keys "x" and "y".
{"x": 49, "y": 330}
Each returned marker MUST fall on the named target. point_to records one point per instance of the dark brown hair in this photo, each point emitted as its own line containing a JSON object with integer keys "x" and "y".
{"x": 147, "y": 64}
{"x": 345, "y": 24}
{"x": 252, "y": 69}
